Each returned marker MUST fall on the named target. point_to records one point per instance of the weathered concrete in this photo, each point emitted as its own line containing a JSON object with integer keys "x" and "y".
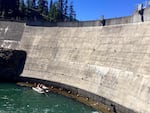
{"x": 10, "y": 34}
{"x": 11, "y": 30}
{"x": 112, "y": 62}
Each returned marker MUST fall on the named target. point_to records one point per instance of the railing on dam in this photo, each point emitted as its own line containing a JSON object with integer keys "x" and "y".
{"x": 136, "y": 17}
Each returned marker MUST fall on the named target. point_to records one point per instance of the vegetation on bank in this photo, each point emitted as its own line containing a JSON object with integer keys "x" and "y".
{"x": 55, "y": 11}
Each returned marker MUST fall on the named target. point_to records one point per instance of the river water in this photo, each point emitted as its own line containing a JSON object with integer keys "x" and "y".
{"x": 16, "y": 99}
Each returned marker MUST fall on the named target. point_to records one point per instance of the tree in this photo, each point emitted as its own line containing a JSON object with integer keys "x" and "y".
{"x": 28, "y": 4}
{"x": 9, "y": 7}
{"x": 51, "y": 4}
{"x": 65, "y": 13}
{"x": 22, "y": 6}
{"x": 72, "y": 15}
{"x": 43, "y": 6}
{"x": 51, "y": 10}
{"x": 0, "y": 7}
{"x": 59, "y": 11}
{"x": 14, "y": 8}
{"x": 45, "y": 10}
{"x": 65, "y": 8}
{"x": 33, "y": 4}
{"x": 5, "y": 7}
{"x": 22, "y": 9}
{"x": 28, "y": 7}
{"x": 60, "y": 8}
{"x": 40, "y": 6}
{"x": 54, "y": 11}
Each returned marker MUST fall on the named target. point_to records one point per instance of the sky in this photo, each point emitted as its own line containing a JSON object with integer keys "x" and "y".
{"x": 94, "y": 9}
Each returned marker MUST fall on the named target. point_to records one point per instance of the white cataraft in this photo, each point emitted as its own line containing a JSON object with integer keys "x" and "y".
{"x": 40, "y": 88}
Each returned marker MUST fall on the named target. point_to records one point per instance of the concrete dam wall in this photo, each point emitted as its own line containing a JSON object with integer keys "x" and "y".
{"x": 112, "y": 62}
{"x": 10, "y": 34}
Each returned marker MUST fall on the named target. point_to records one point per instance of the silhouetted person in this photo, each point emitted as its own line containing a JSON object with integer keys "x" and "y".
{"x": 102, "y": 20}
{"x": 141, "y": 12}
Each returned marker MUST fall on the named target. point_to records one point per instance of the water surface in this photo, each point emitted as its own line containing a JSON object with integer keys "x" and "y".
{"x": 16, "y": 99}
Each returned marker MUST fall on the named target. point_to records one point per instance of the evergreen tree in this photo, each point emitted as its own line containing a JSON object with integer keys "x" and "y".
{"x": 72, "y": 14}
{"x": 43, "y": 6}
{"x": 5, "y": 7}
{"x": 9, "y": 7}
{"x": 33, "y": 4}
{"x": 51, "y": 10}
{"x": 22, "y": 9}
{"x": 0, "y": 7}
{"x": 22, "y": 6}
{"x": 60, "y": 8}
{"x": 45, "y": 10}
{"x": 65, "y": 13}
{"x": 55, "y": 12}
{"x": 51, "y": 4}
{"x": 59, "y": 11}
{"x": 15, "y": 8}
{"x": 28, "y": 2}
{"x": 40, "y": 6}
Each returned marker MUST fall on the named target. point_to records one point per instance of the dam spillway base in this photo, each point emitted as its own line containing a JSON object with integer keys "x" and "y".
{"x": 111, "y": 62}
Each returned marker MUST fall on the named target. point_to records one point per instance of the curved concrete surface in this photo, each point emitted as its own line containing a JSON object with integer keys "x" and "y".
{"x": 112, "y": 62}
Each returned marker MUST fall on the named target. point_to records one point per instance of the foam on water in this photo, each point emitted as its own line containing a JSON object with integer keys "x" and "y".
{"x": 4, "y": 97}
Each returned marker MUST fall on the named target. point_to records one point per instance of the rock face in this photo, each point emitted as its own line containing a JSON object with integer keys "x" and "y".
{"x": 11, "y": 64}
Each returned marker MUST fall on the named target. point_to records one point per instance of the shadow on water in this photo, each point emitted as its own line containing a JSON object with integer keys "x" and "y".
{"x": 11, "y": 64}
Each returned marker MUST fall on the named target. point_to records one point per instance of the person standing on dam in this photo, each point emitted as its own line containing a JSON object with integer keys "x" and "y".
{"x": 141, "y": 11}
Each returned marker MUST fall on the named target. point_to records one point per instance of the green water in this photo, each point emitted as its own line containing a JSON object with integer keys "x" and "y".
{"x": 16, "y": 99}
